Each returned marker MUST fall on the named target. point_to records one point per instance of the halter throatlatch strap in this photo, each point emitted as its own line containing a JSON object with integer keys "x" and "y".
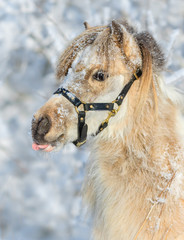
{"x": 120, "y": 99}
{"x": 82, "y": 126}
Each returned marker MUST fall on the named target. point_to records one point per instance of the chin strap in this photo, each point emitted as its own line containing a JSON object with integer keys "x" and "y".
{"x": 82, "y": 126}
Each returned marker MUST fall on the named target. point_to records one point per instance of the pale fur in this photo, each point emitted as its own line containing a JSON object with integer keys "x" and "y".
{"x": 134, "y": 185}
{"x": 123, "y": 182}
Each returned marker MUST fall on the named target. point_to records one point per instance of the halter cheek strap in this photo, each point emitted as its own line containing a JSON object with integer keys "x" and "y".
{"x": 82, "y": 126}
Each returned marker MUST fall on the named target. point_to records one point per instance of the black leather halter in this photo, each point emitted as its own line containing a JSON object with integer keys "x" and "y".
{"x": 82, "y": 126}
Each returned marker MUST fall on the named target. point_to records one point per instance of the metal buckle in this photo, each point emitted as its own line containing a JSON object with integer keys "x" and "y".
{"x": 76, "y": 108}
{"x": 135, "y": 74}
{"x": 111, "y": 113}
{"x": 80, "y": 143}
{"x": 118, "y": 107}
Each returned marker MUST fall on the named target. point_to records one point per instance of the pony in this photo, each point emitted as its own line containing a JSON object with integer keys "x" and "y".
{"x": 113, "y": 96}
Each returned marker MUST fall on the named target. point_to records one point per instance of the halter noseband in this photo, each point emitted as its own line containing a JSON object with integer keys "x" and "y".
{"x": 82, "y": 126}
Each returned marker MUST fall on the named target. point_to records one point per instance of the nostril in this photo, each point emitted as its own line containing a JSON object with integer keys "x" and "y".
{"x": 40, "y": 128}
{"x": 43, "y": 126}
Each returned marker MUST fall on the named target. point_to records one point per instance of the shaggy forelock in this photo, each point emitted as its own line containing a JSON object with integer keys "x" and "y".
{"x": 82, "y": 41}
{"x": 101, "y": 37}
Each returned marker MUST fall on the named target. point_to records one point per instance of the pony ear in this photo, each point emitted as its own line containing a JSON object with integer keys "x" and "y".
{"x": 86, "y": 25}
{"x": 127, "y": 43}
{"x": 138, "y": 52}
{"x": 145, "y": 40}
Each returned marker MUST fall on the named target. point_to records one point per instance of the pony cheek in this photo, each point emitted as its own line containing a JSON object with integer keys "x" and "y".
{"x": 94, "y": 119}
{"x": 68, "y": 127}
{"x": 72, "y": 132}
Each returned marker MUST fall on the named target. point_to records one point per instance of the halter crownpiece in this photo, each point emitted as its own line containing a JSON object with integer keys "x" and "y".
{"x": 82, "y": 126}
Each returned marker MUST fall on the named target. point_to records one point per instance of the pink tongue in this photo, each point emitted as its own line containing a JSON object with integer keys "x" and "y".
{"x": 37, "y": 147}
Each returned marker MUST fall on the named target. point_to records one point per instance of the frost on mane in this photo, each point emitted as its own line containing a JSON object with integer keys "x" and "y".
{"x": 134, "y": 184}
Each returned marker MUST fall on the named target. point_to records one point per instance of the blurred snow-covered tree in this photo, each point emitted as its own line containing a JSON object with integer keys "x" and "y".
{"x": 40, "y": 195}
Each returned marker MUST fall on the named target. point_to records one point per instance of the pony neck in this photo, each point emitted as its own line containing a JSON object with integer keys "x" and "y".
{"x": 141, "y": 141}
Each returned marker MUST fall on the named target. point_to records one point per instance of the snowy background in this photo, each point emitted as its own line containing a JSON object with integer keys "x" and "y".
{"x": 40, "y": 194}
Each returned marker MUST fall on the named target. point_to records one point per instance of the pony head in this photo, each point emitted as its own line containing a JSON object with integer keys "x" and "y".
{"x": 95, "y": 67}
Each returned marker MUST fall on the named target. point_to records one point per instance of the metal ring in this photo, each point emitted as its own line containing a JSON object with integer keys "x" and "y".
{"x": 76, "y": 109}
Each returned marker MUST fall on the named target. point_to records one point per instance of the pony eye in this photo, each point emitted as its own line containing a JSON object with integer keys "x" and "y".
{"x": 99, "y": 76}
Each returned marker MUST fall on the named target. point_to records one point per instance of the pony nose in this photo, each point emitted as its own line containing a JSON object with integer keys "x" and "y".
{"x": 40, "y": 128}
